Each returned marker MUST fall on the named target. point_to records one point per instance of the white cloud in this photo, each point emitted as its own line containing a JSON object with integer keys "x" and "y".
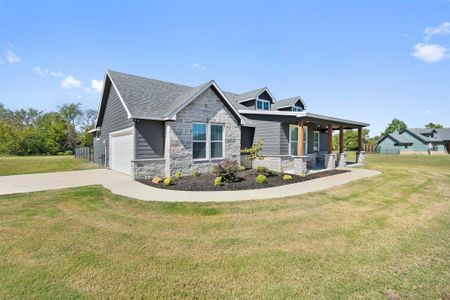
{"x": 70, "y": 82}
{"x": 11, "y": 57}
{"x": 198, "y": 66}
{"x": 429, "y": 53}
{"x": 97, "y": 85}
{"x": 45, "y": 72}
{"x": 441, "y": 29}
{"x": 428, "y": 112}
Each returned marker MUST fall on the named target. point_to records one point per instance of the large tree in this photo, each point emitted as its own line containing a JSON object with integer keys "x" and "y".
{"x": 395, "y": 125}
{"x": 70, "y": 113}
{"x": 350, "y": 139}
{"x": 432, "y": 125}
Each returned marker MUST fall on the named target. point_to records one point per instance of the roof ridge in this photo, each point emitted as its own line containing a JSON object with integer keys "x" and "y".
{"x": 148, "y": 78}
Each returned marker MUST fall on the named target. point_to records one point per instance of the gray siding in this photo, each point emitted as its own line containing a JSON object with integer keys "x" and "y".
{"x": 149, "y": 139}
{"x": 265, "y": 96}
{"x": 115, "y": 118}
{"x": 284, "y": 139}
{"x": 270, "y": 133}
{"x": 249, "y": 104}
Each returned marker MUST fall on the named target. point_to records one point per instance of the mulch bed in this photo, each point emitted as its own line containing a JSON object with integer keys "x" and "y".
{"x": 205, "y": 182}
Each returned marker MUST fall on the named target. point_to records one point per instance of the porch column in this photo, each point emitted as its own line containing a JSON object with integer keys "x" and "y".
{"x": 330, "y": 159}
{"x": 300, "y": 149}
{"x": 341, "y": 156}
{"x": 360, "y": 153}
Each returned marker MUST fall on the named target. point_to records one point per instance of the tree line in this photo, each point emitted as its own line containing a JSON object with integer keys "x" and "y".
{"x": 34, "y": 132}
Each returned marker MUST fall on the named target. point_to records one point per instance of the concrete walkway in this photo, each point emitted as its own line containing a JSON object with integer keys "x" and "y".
{"x": 121, "y": 184}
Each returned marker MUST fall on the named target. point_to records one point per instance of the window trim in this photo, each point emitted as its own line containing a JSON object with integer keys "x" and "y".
{"x": 194, "y": 141}
{"x": 208, "y": 142}
{"x": 296, "y": 107}
{"x": 305, "y": 133}
{"x": 318, "y": 140}
{"x": 263, "y": 101}
{"x": 211, "y": 141}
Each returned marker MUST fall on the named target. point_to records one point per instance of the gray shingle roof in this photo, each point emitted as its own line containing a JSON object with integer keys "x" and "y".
{"x": 286, "y": 102}
{"x": 399, "y": 138}
{"x": 422, "y": 133}
{"x": 444, "y": 134}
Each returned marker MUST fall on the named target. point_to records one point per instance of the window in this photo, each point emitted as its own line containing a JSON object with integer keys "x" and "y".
{"x": 316, "y": 141}
{"x": 296, "y": 108}
{"x": 293, "y": 139}
{"x": 262, "y": 104}
{"x": 216, "y": 141}
{"x": 198, "y": 140}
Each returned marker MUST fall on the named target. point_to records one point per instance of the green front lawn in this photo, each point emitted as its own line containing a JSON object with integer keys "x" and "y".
{"x": 387, "y": 237}
{"x": 14, "y": 165}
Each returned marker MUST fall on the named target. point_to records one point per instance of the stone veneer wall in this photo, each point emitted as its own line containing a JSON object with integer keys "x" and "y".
{"x": 206, "y": 108}
{"x": 144, "y": 168}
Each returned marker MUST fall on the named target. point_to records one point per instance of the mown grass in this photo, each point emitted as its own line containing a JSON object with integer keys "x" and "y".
{"x": 386, "y": 237}
{"x": 15, "y": 165}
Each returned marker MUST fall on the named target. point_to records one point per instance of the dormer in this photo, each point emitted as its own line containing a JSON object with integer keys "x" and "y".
{"x": 294, "y": 104}
{"x": 260, "y": 99}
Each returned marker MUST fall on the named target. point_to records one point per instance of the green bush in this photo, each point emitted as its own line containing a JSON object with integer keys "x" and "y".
{"x": 261, "y": 179}
{"x": 287, "y": 177}
{"x": 241, "y": 168}
{"x": 218, "y": 181}
{"x": 228, "y": 170}
{"x": 262, "y": 169}
{"x": 195, "y": 173}
{"x": 167, "y": 181}
{"x": 273, "y": 173}
{"x": 178, "y": 175}
{"x": 68, "y": 152}
{"x": 302, "y": 175}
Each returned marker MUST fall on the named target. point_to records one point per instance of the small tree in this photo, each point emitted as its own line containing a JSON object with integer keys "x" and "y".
{"x": 254, "y": 152}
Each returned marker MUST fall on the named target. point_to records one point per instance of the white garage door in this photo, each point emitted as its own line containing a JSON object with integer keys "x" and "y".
{"x": 121, "y": 151}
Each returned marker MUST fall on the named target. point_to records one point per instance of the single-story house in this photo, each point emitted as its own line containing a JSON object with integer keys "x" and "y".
{"x": 416, "y": 141}
{"x": 147, "y": 127}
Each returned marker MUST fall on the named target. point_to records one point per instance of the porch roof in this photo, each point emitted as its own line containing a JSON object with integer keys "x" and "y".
{"x": 319, "y": 120}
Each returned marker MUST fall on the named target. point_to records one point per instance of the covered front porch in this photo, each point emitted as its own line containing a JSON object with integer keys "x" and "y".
{"x": 306, "y": 143}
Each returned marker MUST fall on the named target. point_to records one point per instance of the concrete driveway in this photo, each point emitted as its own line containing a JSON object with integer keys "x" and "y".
{"x": 121, "y": 184}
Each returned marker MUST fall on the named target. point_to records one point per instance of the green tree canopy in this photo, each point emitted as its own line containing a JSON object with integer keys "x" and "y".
{"x": 432, "y": 125}
{"x": 395, "y": 125}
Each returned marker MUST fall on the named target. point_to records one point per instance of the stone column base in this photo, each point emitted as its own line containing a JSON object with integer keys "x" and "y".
{"x": 330, "y": 161}
{"x": 300, "y": 166}
{"x": 342, "y": 159}
{"x": 360, "y": 157}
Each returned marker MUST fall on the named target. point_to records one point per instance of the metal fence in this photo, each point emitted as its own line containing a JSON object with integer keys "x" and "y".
{"x": 369, "y": 148}
{"x": 85, "y": 153}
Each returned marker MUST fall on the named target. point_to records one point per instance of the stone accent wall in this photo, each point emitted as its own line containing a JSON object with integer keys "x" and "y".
{"x": 206, "y": 108}
{"x": 145, "y": 168}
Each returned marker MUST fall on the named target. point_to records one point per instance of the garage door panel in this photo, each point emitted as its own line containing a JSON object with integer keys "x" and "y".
{"x": 121, "y": 153}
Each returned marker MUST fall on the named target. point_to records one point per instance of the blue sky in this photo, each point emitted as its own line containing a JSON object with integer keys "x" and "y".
{"x": 363, "y": 60}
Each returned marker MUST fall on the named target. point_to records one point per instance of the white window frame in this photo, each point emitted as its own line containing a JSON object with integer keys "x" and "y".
{"x": 262, "y": 101}
{"x": 318, "y": 140}
{"x": 195, "y": 141}
{"x": 208, "y": 142}
{"x": 211, "y": 141}
{"x": 296, "y": 108}
{"x": 305, "y": 139}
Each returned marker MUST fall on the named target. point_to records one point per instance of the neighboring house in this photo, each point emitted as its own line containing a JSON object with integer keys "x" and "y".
{"x": 147, "y": 127}
{"x": 416, "y": 141}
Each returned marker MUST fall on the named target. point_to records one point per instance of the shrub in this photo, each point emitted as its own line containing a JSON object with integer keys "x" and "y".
{"x": 302, "y": 175}
{"x": 156, "y": 180}
{"x": 178, "y": 175}
{"x": 195, "y": 173}
{"x": 254, "y": 151}
{"x": 273, "y": 173}
{"x": 228, "y": 170}
{"x": 167, "y": 181}
{"x": 68, "y": 152}
{"x": 262, "y": 169}
{"x": 218, "y": 181}
{"x": 241, "y": 168}
{"x": 261, "y": 179}
{"x": 287, "y": 177}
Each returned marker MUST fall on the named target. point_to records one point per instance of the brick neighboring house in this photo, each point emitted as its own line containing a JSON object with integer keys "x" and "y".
{"x": 147, "y": 127}
{"x": 416, "y": 141}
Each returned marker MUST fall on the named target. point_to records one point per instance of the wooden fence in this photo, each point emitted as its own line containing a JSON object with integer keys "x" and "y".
{"x": 369, "y": 148}
{"x": 85, "y": 153}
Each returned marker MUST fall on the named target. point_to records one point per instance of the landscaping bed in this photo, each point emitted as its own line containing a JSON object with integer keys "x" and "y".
{"x": 246, "y": 180}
